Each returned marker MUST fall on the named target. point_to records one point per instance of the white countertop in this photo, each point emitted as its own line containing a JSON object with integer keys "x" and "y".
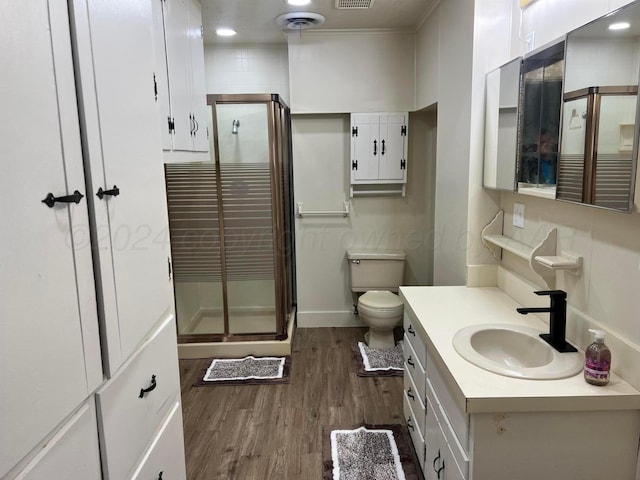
{"x": 439, "y": 312}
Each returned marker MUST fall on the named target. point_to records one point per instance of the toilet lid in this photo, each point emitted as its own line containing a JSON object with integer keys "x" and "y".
{"x": 381, "y": 300}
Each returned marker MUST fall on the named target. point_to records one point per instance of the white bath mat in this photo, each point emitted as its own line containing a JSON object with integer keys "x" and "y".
{"x": 364, "y": 454}
{"x": 247, "y": 368}
{"x": 381, "y": 360}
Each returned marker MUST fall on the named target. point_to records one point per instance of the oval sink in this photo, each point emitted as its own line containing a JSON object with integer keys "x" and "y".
{"x": 514, "y": 351}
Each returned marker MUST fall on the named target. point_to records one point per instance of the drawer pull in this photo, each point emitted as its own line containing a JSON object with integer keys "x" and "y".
{"x": 435, "y": 460}
{"x": 409, "y": 424}
{"x": 410, "y": 362}
{"x": 411, "y": 330}
{"x": 410, "y": 394}
{"x": 149, "y": 388}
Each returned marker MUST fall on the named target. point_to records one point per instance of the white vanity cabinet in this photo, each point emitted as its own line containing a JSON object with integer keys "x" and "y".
{"x": 479, "y": 425}
{"x": 179, "y": 67}
{"x": 378, "y": 149}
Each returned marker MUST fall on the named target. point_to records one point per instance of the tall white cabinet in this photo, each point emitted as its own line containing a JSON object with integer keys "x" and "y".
{"x": 88, "y": 354}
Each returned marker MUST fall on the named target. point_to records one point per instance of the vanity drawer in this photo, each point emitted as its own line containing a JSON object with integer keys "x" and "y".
{"x": 416, "y": 435}
{"x": 458, "y": 451}
{"x": 416, "y": 400}
{"x": 165, "y": 456}
{"x": 457, "y": 418}
{"x": 413, "y": 367}
{"x": 411, "y": 335}
{"x": 128, "y": 422}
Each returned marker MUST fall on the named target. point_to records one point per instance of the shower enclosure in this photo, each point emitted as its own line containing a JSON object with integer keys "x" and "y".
{"x": 231, "y": 226}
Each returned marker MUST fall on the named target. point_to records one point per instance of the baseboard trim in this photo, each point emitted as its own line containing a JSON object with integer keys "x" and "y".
{"x": 339, "y": 318}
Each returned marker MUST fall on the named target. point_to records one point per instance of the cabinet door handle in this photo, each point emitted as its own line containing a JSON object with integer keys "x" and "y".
{"x": 50, "y": 200}
{"x": 149, "y": 388}
{"x": 410, "y": 425}
{"x": 191, "y": 123}
{"x": 411, "y": 330}
{"x": 160, "y": 475}
{"x": 435, "y": 460}
{"x": 375, "y": 147}
{"x": 410, "y": 362}
{"x": 197, "y": 125}
{"x": 114, "y": 192}
{"x": 382, "y": 151}
{"x": 440, "y": 469}
{"x": 410, "y": 394}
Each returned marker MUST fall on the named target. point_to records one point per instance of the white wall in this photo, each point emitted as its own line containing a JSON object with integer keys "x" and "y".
{"x": 247, "y": 69}
{"x": 340, "y": 72}
{"x": 321, "y": 152}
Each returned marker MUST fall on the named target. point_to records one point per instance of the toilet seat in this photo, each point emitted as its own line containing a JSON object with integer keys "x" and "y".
{"x": 380, "y": 304}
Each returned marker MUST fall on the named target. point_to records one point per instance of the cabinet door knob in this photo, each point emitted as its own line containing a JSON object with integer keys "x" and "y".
{"x": 114, "y": 192}
{"x": 149, "y": 388}
{"x": 50, "y": 200}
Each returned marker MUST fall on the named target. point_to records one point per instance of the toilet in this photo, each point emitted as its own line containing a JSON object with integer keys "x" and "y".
{"x": 377, "y": 274}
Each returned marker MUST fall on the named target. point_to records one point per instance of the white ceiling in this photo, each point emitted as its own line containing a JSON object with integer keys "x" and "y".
{"x": 255, "y": 20}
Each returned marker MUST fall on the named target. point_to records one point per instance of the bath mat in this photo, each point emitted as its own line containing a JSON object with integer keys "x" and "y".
{"x": 369, "y": 452}
{"x": 249, "y": 370}
{"x": 372, "y": 362}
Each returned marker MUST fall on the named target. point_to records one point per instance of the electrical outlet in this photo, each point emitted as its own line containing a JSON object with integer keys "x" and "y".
{"x": 518, "y": 215}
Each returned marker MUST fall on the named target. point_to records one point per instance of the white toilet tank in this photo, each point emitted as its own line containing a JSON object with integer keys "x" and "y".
{"x": 376, "y": 269}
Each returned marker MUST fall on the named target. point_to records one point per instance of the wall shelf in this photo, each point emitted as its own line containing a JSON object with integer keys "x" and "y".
{"x": 565, "y": 261}
{"x": 496, "y": 242}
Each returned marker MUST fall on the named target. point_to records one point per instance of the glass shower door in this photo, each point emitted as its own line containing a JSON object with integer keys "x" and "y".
{"x": 243, "y": 131}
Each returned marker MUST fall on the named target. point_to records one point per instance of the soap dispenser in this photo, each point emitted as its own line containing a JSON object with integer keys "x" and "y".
{"x": 597, "y": 360}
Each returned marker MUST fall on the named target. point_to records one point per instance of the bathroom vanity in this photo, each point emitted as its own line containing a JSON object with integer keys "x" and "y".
{"x": 469, "y": 423}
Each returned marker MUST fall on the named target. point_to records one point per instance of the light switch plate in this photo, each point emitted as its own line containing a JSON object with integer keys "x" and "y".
{"x": 518, "y": 215}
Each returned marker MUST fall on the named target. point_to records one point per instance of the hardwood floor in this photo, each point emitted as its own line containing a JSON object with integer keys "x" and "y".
{"x": 265, "y": 432}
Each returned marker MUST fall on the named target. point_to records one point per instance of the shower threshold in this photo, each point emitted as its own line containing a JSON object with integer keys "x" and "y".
{"x": 231, "y": 349}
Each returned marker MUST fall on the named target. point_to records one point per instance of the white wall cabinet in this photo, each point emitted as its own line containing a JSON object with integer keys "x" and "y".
{"x": 86, "y": 275}
{"x": 185, "y": 117}
{"x": 378, "y": 150}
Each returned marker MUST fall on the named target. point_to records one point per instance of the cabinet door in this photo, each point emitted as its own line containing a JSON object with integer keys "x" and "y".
{"x": 49, "y": 344}
{"x": 178, "y": 41}
{"x": 199, "y": 108}
{"x": 365, "y": 148}
{"x": 392, "y": 151}
{"x": 124, "y": 150}
{"x": 161, "y": 75}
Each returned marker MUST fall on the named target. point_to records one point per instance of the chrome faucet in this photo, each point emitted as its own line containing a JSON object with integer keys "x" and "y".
{"x": 557, "y": 319}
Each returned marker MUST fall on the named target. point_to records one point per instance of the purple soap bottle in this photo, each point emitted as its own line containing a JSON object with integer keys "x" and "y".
{"x": 597, "y": 360}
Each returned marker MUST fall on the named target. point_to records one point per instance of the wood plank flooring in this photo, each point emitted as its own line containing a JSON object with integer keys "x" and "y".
{"x": 265, "y": 432}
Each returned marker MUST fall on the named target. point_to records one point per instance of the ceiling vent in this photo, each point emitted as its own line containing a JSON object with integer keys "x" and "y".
{"x": 300, "y": 20}
{"x": 354, "y": 4}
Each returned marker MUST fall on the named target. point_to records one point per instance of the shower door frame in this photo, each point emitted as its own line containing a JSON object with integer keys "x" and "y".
{"x": 280, "y": 172}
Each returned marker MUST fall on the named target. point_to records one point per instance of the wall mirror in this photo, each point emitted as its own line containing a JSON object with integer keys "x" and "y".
{"x": 539, "y": 121}
{"x": 598, "y": 148}
{"x": 501, "y": 126}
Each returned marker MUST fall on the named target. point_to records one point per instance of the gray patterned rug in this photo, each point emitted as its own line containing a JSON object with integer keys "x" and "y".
{"x": 373, "y": 362}
{"x": 370, "y": 452}
{"x": 247, "y": 370}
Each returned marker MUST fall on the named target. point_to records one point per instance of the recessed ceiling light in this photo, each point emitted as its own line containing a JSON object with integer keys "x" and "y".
{"x": 298, "y": 3}
{"x": 226, "y": 32}
{"x": 619, "y": 26}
